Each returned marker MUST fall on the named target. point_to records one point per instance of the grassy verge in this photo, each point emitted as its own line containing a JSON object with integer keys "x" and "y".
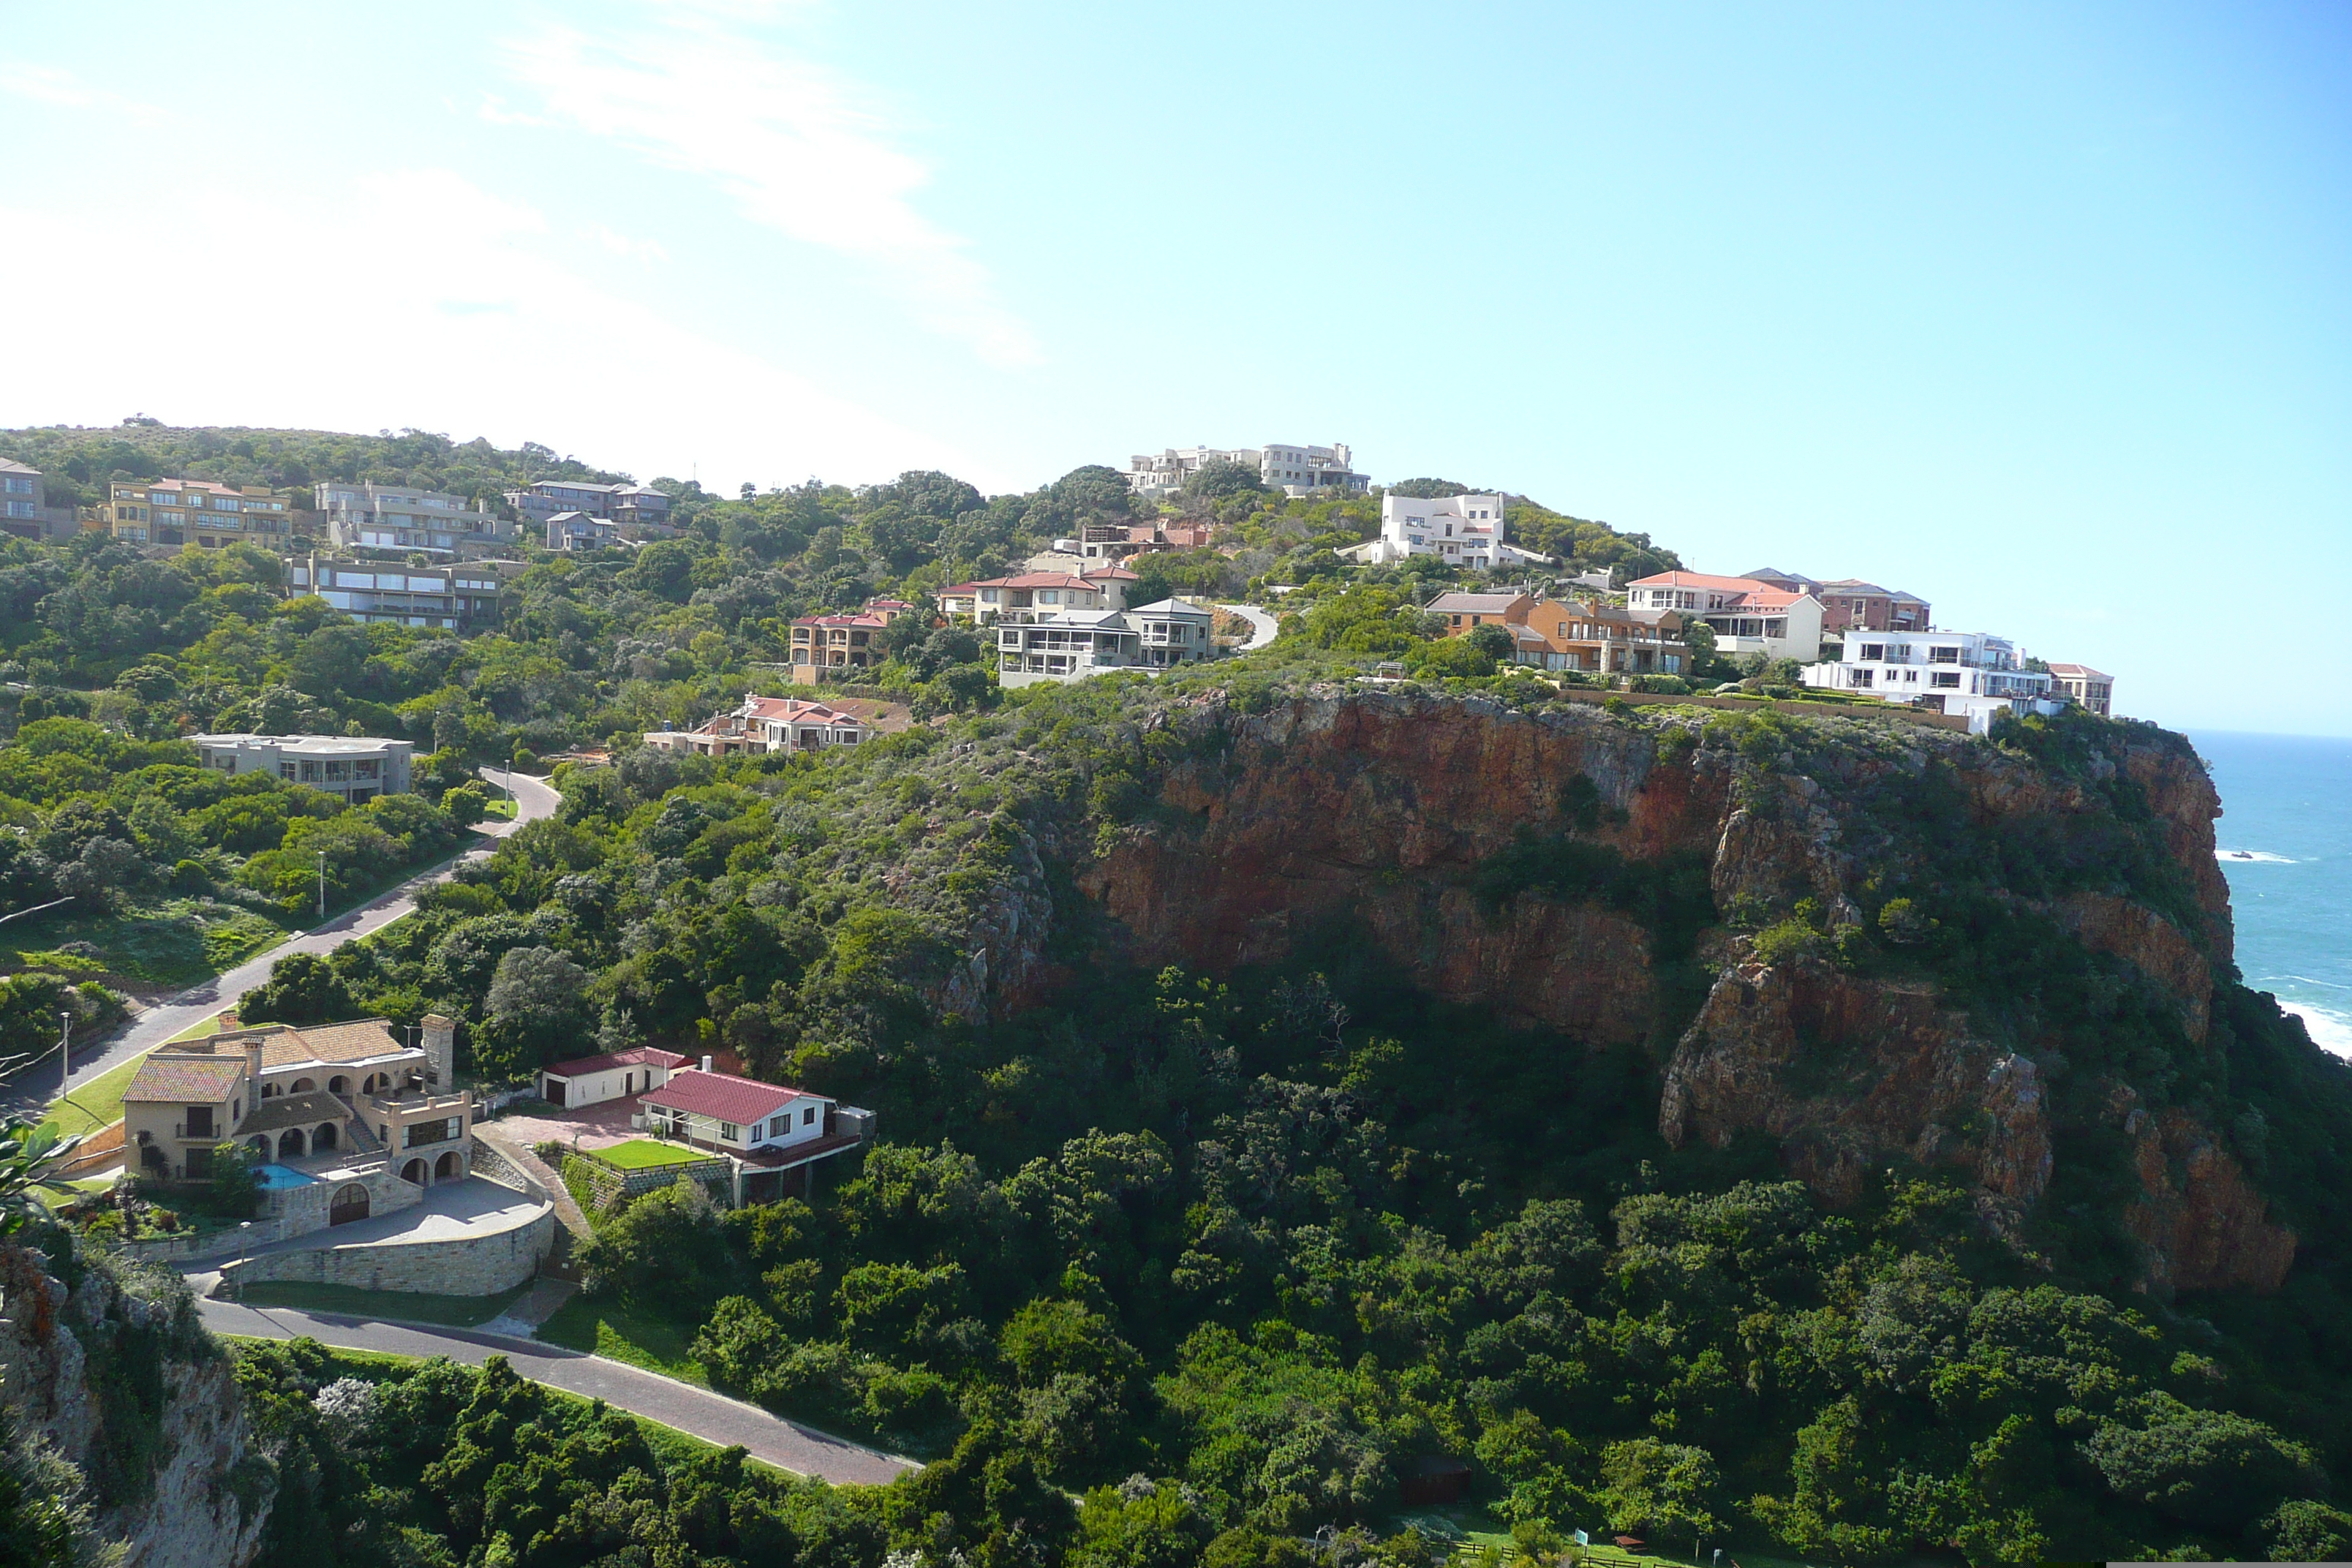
{"x": 450, "y": 1311}
{"x": 620, "y": 1333}
{"x": 672, "y": 1446}
{"x": 96, "y": 1104}
{"x": 167, "y": 945}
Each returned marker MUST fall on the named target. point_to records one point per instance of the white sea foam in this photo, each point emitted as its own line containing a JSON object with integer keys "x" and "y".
{"x": 2328, "y": 1030}
{"x": 2251, "y": 856}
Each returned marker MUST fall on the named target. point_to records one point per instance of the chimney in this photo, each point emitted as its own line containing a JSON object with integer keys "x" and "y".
{"x": 439, "y": 1040}
{"x": 253, "y": 1071}
{"x": 706, "y": 1064}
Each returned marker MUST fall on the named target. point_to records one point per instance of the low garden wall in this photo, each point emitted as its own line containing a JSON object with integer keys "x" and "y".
{"x": 480, "y": 1265}
{"x": 597, "y": 1186}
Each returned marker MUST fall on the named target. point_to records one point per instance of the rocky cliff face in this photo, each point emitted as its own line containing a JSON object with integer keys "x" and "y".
{"x": 1388, "y": 813}
{"x": 127, "y": 1388}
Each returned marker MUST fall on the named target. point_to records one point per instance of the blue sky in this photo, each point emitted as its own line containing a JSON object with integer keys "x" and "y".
{"x": 2040, "y": 312}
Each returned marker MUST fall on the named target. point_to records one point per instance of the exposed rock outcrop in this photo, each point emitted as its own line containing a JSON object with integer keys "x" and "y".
{"x": 1378, "y": 811}
{"x": 128, "y": 1388}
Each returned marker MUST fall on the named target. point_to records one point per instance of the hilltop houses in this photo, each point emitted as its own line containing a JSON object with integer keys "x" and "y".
{"x": 776, "y": 724}
{"x": 1583, "y": 636}
{"x": 1970, "y": 673}
{"x": 1465, "y": 531}
{"x": 1746, "y": 614}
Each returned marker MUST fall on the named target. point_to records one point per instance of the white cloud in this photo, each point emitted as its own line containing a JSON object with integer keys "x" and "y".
{"x": 647, "y": 250}
{"x": 484, "y": 332}
{"x": 59, "y": 87}
{"x": 791, "y": 143}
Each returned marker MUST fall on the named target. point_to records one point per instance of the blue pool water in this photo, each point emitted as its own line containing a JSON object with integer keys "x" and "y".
{"x": 272, "y": 1177}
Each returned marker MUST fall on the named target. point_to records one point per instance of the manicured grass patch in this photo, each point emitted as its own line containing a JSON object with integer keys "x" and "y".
{"x": 619, "y": 1333}
{"x": 451, "y": 1312}
{"x": 644, "y": 1154}
{"x": 95, "y": 1104}
{"x": 171, "y": 943}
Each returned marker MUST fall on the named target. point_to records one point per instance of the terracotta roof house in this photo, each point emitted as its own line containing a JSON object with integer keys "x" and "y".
{"x": 1746, "y": 614}
{"x": 614, "y": 1075}
{"x": 769, "y": 724}
{"x": 1028, "y": 595}
{"x": 2090, "y": 689}
{"x": 765, "y": 1128}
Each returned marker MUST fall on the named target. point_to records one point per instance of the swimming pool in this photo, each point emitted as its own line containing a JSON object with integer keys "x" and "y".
{"x": 274, "y": 1178}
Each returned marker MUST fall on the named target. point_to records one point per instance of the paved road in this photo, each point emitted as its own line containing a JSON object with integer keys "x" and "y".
{"x": 1262, "y": 628}
{"x": 697, "y": 1412}
{"x": 38, "y": 1085}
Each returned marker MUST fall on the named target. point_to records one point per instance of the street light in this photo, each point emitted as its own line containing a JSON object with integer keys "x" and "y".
{"x": 322, "y": 887}
{"x": 243, "y": 1253}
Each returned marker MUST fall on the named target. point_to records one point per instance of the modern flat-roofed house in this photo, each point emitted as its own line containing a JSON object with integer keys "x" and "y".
{"x": 1747, "y": 615}
{"x": 616, "y": 1075}
{"x": 358, "y": 768}
{"x": 25, "y": 508}
{"x": 1076, "y": 644}
{"x": 1293, "y": 470}
{"x": 458, "y": 597}
{"x": 196, "y": 512}
{"x": 769, "y": 724}
{"x": 572, "y": 531}
{"x": 332, "y": 1100}
{"x": 2092, "y": 690}
{"x": 635, "y": 512}
{"x": 1465, "y": 531}
{"x": 368, "y": 516}
{"x": 1970, "y": 673}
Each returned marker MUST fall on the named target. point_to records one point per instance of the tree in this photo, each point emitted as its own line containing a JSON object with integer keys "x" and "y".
{"x": 1493, "y": 640}
{"x": 1222, "y": 479}
{"x": 539, "y": 1009}
{"x": 302, "y": 988}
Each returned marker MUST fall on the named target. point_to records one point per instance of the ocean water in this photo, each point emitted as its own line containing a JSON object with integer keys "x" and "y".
{"x": 2285, "y": 841}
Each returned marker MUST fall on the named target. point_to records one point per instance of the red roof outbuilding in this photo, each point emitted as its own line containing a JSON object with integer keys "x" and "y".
{"x": 723, "y": 1097}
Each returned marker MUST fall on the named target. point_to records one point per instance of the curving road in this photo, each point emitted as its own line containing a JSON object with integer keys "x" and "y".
{"x": 1263, "y": 630}
{"x": 697, "y": 1412}
{"x": 38, "y": 1086}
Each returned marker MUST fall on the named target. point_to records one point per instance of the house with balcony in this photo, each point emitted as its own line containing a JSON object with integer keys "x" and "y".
{"x": 368, "y": 516}
{"x": 1465, "y": 531}
{"x": 348, "y": 1106}
{"x": 1590, "y": 636}
{"x": 765, "y": 1131}
{"x": 835, "y": 647}
{"x": 1745, "y": 614}
{"x": 353, "y": 768}
{"x": 25, "y": 508}
{"x": 455, "y": 597}
{"x": 1028, "y": 596}
{"x": 769, "y": 724}
{"x": 2089, "y": 688}
{"x": 178, "y": 512}
{"x": 635, "y": 512}
{"x": 1970, "y": 673}
{"x": 1076, "y": 644}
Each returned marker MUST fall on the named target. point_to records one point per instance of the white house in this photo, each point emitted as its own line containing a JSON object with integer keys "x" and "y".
{"x": 1466, "y": 531}
{"x": 1076, "y": 644}
{"x": 1748, "y": 615}
{"x": 356, "y": 767}
{"x": 616, "y": 1075}
{"x": 397, "y": 517}
{"x": 1293, "y": 470}
{"x": 1970, "y": 673}
{"x": 734, "y": 1115}
{"x": 768, "y": 724}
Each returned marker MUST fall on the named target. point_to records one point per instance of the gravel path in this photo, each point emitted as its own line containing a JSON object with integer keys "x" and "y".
{"x": 39, "y": 1085}
{"x": 697, "y": 1412}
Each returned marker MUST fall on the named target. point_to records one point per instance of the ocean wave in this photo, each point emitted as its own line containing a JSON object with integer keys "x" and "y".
{"x": 2251, "y": 857}
{"x": 2331, "y": 1032}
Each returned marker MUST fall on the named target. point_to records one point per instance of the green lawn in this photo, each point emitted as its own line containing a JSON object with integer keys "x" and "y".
{"x": 451, "y": 1312}
{"x": 619, "y": 1333}
{"x": 99, "y": 1102}
{"x": 644, "y": 1154}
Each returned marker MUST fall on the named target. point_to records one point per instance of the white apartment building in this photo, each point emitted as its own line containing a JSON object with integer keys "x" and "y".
{"x": 1970, "y": 673}
{"x": 394, "y": 517}
{"x": 356, "y": 768}
{"x": 1747, "y": 614}
{"x": 1076, "y": 644}
{"x": 1293, "y": 470}
{"x": 1466, "y": 531}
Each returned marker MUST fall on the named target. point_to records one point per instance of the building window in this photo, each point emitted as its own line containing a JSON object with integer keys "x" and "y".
{"x": 1873, "y": 650}
{"x": 727, "y": 1132}
{"x": 808, "y": 1116}
{"x": 200, "y": 1122}
{"x": 1942, "y": 656}
{"x": 1945, "y": 678}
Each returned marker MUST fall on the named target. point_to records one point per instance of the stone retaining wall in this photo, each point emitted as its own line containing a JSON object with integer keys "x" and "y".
{"x": 609, "y": 1186}
{"x": 460, "y": 1266}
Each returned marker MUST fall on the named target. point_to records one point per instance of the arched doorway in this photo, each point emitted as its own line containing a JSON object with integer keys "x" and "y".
{"x": 302, "y": 1085}
{"x": 449, "y": 1166}
{"x": 350, "y": 1203}
{"x": 414, "y": 1175}
{"x": 338, "y": 1085}
{"x": 369, "y": 1085}
{"x": 322, "y": 1138}
{"x": 289, "y": 1143}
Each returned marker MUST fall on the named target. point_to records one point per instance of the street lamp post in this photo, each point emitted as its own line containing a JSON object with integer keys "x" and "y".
{"x": 65, "y": 1046}
{"x": 243, "y": 1253}
{"x": 322, "y": 887}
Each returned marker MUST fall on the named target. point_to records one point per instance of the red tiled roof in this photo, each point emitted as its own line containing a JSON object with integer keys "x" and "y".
{"x": 870, "y": 622}
{"x": 1698, "y": 580}
{"x": 1112, "y": 572}
{"x": 636, "y": 1056}
{"x": 791, "y": 709}
{"x": 723, "y": 1097}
